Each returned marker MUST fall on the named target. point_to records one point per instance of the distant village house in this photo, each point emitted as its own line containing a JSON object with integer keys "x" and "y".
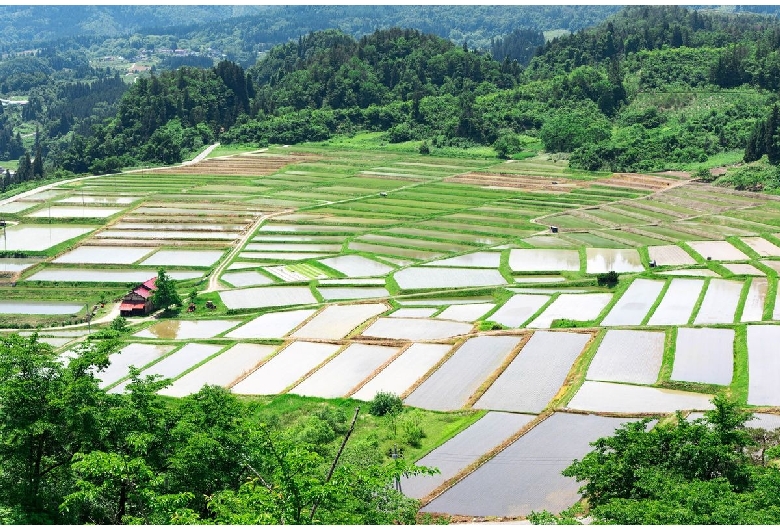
{"x": 138, "y": 302}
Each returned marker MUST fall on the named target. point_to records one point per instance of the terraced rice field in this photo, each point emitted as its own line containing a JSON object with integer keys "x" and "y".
{"x": 437, "y": 292}
{"x": 451, "y": 386}
{"x": 628, "y": 356}
{"x": 704, "y": 356}
{"x": 536, "y": 374}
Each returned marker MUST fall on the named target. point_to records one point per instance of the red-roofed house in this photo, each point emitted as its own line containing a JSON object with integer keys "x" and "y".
{"x": 138, "y": 302}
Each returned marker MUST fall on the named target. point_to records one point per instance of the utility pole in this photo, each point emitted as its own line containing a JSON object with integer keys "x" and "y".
{"x": 395, "y": 456}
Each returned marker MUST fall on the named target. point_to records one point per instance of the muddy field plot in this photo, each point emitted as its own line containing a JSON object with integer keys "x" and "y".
{"x": 97, "y": 275}
{"x": 638, "y": 181}
{"x": 187, "y": 329}
{"x": 670, "y": 255}
{"x": 597, "y": 396}
{"x": 763, "y": 247}
{"x": 345, "y": 371}
{"x": 526, "y": 476}
{"x": 720, "y": 302}
{"x": 450, "y": 387}
{"x": 336, "y": 321}
{"x": 464, "y": 448}
{"x": 285, "y": 368}
{"x": 519, "y": 309}
{"x": 40, "y": 237}
{"x": 628, "y": 356}
{"x": 246, "y": 278}
{"x": 415, "y": 329}
{"x": 718, "y": 250}
{"x": 744, "y": 269}
{"x": 404, "y": 371}
{"x": 678, "y": 303}
{"x": 704, "y": 356}
{"x": 109, "y": 255}
{"x": 536, "y": 374}
{"x": 222, "y": 370}
{"x": 764, "y": 365}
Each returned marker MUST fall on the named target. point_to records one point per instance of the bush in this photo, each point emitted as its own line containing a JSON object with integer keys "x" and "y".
{"x": 609, "y": 279}
{"x": 413, "y": 431}
{"x": 385, "y": 403}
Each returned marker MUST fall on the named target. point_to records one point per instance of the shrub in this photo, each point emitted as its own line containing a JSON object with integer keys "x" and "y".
{"x": 609, "y": 279}
{"x": 413, "y": 431}
{"x": 385, "y": 403}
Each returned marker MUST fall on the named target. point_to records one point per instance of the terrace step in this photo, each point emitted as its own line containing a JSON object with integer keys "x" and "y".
{"x": 635, "y": 215}
{"x": 592, "y": 218}
{"x": 647, "y": 233}
{"x": 692, "y": 231}
{"x": 616, "y": 238}
{"x": 657, "y": 209}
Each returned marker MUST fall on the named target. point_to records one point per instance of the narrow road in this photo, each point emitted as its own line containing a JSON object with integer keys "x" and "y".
{"x": 214, "y": 277}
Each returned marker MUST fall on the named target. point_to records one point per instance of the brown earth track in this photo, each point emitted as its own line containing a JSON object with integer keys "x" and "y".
{"x": 637, "y": 181}
{"x": 529, "y": 183}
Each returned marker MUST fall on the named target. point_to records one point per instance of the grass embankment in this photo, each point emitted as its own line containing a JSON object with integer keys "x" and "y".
{"x": 383, "y": 433}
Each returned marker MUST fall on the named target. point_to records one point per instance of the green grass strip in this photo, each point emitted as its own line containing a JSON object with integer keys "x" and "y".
{"x": 699, "y": 301}
{"x": 657, "y": 302}
{"x": 670, "y": 345}
{"x": 743, "y": 299}
{"x": 739, "y": 383}
{"x": 580, "y": 369}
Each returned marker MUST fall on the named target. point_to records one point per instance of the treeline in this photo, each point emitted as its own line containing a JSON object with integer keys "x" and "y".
{"x": 644, "y": 91}
{"x": 73, "y": 453}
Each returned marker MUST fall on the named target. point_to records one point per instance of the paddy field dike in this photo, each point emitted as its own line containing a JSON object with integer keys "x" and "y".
{"x": 338, "y": 272}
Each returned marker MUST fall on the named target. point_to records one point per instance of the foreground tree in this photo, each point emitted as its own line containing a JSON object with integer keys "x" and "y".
{"x": 698, "y": 472}
{"x": 165, "y": 294}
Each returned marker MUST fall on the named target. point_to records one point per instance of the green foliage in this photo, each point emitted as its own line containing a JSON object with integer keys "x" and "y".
{"x": 72, "y": 453}
{"x": 165, "y": 294}
{"x": 571, "y": 128}
{"x": 708, "y": 471}
{"x": 607, "y": 279}
{"x": 386, "y": 403}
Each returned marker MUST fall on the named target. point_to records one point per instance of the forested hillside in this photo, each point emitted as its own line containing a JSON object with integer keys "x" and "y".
{"x": 652, "y": 88}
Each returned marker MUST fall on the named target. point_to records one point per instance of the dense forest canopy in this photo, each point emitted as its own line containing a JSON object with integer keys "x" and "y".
{"x": 651, "y": 88}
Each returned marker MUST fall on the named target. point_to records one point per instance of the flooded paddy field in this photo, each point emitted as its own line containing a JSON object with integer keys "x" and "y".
{"x": 704, "y": 355}
{"x": 23, "y": 307}
{"x": 483, "y": 245}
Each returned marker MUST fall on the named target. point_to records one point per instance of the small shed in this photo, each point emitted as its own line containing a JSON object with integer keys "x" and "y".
{"x": 138, "y": 302}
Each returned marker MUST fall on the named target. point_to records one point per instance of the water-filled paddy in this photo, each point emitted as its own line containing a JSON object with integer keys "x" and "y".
{"x": 137, "y": 355}
{"x": 463, "y": 449}
{"x": 17, "y": 264}
{"x": 271, "y": 325}
{"x": 596, "y": 396}
{"x": 753, "y": 310}
{"x": 632, "y": 307}
{"x": 95, "y": 199}
{"x": 31, "y": 307}
{"x": 678, "y": 303}
{"x": 745, "y": 269}
{"x": 352, "y": 293}
{"x": 437, "y": 278}
{"x": 285, "y": 368}
{"x": 536, "y": 374}
{"x": 176, "y": 363}
{"x": 187, "y": 258}
{"x": 465, "y": 312}
{"x": 349, "y": 368}
{"x": 222, "y": 370}
{"x": 449, "y": 387}
{"x": 763, "y": 365}
{"x": 415, "y": 329}
{"x": 259, "y": 297}
{"x": 336, "y": 321}
{"x": 106, "y": 275}
{"x": 357, "y": 266}
{"x": 543, "y": 260}
{"x": 246, "y": 278}
{"x": 75, "y": 212}
{"x": 518, "y": 309}
{"x": 165, "y": 234}
{"x": 293, "y": 247}
{"x": 196, "y": 227}
{"x": 704, "y": 356}
{"x": 720, "y": 302}
{"x": 717, "y": 250}
{"x": 488, "y": 260}
{"x": 394, "y": 251}
{"x": 628, "y": 356}
{"x": 187, "y": 329}
{"x": 609, "y": 259}
{"x": 39, "y": 237}
{"x": 104, "y": 255}
{"x": 280, "y": 256}
{"x": 572, "y": 306}
{"x": 15, "y": 207}
{"x": 763, "y": 247}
